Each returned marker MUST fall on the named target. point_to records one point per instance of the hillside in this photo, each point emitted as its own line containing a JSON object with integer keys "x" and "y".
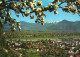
{"x": 63, "y": 26}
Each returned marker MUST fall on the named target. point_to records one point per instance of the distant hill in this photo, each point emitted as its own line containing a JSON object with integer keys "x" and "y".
{"x": 63, "y": 26}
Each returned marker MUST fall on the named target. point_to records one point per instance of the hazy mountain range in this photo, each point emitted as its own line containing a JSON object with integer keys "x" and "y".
{"x": 65, "y": 26}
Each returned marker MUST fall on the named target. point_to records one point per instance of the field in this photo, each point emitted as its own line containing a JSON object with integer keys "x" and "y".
{"x": 42, "y": 44}
{"x": 41, "y": 35}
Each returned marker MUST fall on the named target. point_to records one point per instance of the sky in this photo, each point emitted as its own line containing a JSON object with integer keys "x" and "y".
{"x": 50, "y": 15}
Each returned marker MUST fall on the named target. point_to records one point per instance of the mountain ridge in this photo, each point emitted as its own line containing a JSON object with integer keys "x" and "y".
{"x": 60, "y": 26}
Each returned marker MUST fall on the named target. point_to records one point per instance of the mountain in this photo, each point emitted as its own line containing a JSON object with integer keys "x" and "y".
{"x": 64, "y": 26}
{"x": 54, "y": 22}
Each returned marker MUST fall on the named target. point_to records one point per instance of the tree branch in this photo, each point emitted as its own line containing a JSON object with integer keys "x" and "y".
{"x": 61, "y": 3}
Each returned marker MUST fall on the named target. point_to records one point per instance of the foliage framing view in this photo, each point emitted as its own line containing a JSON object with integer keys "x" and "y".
{"x": 26, "y": 7}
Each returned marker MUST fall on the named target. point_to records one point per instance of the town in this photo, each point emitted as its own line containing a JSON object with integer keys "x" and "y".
{"x": 44, "y": 48}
